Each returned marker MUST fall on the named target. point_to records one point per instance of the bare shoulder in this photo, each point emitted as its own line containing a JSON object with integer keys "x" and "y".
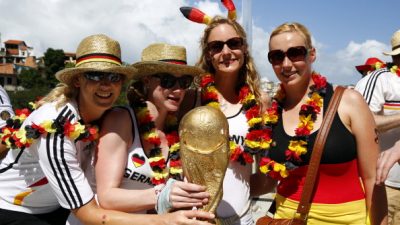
{"x": 352, "y": 98}
{"x": 116, "y": 117}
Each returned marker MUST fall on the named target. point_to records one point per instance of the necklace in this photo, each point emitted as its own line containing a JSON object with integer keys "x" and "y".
{"x": 16, "y": 138}
{"x": 393, "y": 68}
{"x": 149, "y": 133}
{"x": 299, "y": 143}
{"x": 258, "y": 138}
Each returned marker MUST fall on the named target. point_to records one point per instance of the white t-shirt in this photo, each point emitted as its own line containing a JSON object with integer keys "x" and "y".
{"x": 48, "y": 173}
{"x": 236, "y": 185}
{"x": 381, "y": 90}
{"x": 6, "y": 110}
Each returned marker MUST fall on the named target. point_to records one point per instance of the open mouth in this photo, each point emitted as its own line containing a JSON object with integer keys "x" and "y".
{"x": 104, "y": 95}
{"x": 228, "y": 62}
{"x": 174, "y": 100}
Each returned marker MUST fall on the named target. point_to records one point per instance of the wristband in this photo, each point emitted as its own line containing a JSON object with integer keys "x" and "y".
{"x": 164, "y": 204}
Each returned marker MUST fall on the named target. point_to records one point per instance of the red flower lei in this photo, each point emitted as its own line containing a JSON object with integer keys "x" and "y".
{"x": 258, "y": 138}
{"x": 15, "y": 138}
{"x": 149, "y": 134}
{"x": 307, "y": 116}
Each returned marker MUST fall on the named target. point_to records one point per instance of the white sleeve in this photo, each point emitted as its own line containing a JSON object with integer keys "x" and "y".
{"x": 59, "y": 162}
{"x": 372, "y": 87}
{"x": 6, "y": 110}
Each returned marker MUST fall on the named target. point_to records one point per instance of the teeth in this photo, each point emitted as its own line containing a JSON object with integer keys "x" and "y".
{"x": 104, "y": 95}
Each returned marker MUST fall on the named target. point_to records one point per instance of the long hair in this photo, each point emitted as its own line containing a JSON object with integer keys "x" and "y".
{"x": 136, "y": 93}
{"x": 61, "y": 94}
{"x": 248, "y": 73}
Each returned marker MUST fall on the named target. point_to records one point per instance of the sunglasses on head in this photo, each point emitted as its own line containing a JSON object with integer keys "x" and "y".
{"x": 168, "y": 80}
{"x": 298, "y": 53}
{"x": 215, "y": 47}
{"x": 99, "y": 76}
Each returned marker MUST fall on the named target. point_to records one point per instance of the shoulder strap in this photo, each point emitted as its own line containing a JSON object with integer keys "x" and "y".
{"x": 305, "y": 202}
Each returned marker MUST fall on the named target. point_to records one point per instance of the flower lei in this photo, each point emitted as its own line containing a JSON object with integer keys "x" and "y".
{"x": 149, "y": 134}
{"x": 16, "y": 138}
{"x": 393, "y": 68}
{"x": 258, "y": 138}
{"x": 307, "y": 116}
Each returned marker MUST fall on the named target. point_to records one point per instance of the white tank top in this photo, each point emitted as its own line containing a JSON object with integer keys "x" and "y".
{"x": 138, "y": 172}
{"x": 236, "y": 186}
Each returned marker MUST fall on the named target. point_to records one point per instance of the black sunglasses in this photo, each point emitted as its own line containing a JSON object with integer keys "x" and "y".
{"x": 98, "y": 76}
{"x": 295, "y": 54}
{"x": 168, "y": 80}
{"x": 215, "y": 47}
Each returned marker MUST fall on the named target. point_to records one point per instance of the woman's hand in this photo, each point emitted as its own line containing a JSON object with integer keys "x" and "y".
{"x": 188, "y": 217}
{"x": 386, "y": 161}
{"x": 187, "y": 195}
{"x": 178, "y": 195}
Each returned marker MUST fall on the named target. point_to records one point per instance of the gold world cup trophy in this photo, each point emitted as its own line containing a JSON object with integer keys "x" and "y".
{"x": 204, "y": 141}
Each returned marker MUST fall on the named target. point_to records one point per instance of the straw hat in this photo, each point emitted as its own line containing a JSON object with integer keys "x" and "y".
{"x": 164, "y": 58}
{"x": 370, "y": 65}
{"x": 395, "y": 44}
{"x": 96, "y": 53}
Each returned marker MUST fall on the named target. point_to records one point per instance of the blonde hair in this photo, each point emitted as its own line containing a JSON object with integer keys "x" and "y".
{"x": 248, "y": 73}
{"x": 61, "y": 94}
{"x": 294, "y": 27}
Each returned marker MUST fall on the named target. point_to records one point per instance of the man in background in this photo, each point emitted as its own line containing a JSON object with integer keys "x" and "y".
{"x": 381, "y": 90}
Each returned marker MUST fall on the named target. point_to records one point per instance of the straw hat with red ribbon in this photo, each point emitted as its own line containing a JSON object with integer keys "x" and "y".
{"x": 96, "y": 53}
{"x": 164, "y": 58}
{"x": 198, "y": 16}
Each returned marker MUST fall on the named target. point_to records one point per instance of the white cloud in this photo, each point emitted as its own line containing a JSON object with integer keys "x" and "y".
{"x": 339, "y": 67}
{"x": 62, "y": 24}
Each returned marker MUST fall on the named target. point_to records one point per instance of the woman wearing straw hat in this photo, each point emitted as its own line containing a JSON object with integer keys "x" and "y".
{"x": 52, "y": 147}
{"x": 136, "y": 158}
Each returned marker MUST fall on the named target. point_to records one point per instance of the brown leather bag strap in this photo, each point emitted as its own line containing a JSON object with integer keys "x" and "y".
{"x": 305, "y": 202}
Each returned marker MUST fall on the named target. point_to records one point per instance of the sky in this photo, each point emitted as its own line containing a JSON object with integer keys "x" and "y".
{"x": 344, "y": 32}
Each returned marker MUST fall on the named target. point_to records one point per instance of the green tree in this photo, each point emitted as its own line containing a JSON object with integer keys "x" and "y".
{"x": 53, "y": 62}
{"x": 30, "y": 78}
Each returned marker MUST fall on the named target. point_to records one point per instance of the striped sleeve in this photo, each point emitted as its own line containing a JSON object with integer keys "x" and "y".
{"x": 59, "y": 161}
{"x": 372, "y": 87}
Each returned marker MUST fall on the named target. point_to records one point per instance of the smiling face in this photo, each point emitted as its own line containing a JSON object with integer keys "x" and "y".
{"x": 228, "y": 60}
{"x": 166, "y": 98}
{"x": 98, "y": 95}
{"x": 288, "y": 71}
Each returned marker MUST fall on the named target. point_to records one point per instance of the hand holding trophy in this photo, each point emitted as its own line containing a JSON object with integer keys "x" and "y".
{"x": 204, "y": 141}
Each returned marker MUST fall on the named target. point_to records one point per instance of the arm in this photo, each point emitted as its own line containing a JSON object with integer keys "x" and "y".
{"x": 261, "y": 184}
{"x": 386, "y": 161}
{"x": 91, "y": 214}
{"x": 115, "y": 139}
{"x": 387, "y": 122}
{"x": 356, "y": 115}
{"x": 3, "y": 151}
{"x": 58, "y": 160}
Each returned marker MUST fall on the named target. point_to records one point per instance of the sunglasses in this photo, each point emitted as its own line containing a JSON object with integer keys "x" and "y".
{"x": 215, "y": 47}
{"x": 168, "y": 81}
{"x": 295, "y": 54}
{"x": 99, "y": 76}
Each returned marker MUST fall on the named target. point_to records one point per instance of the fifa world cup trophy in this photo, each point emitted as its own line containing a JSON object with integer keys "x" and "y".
{"x": 204, "y": 141}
